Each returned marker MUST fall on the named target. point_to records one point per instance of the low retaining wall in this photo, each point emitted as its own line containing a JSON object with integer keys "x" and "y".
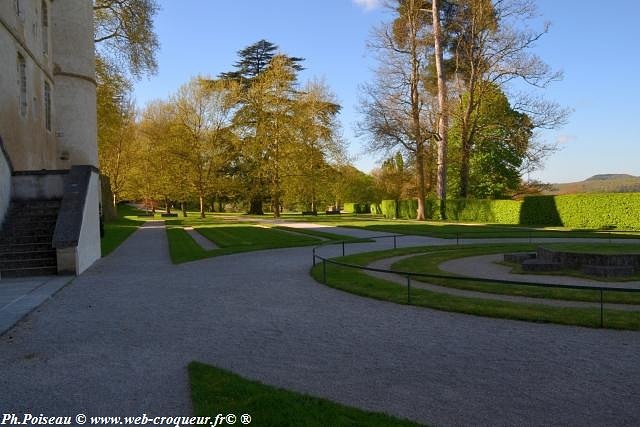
{"x": 576, "y": 260}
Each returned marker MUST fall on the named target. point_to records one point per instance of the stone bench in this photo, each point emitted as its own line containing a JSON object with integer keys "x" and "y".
{"x": 607, "y": 271}
{"x": 519, "y": 258}
{"x": 535, "y": 265}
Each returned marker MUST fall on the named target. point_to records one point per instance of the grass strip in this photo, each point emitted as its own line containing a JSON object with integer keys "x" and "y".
{"x": 428, "y": 263}
{"x": 480, "y": 231}
{"x": 214, "y": 391}
{"x": 324, "y": 235}
{"x": 231, "y": 238}
{"x": 118, "y": 230}
{"x": 359, "y": 283}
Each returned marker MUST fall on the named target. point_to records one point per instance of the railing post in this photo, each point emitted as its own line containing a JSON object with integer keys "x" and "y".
{"x": 609, "y": 237}
{"x": 408, "y": 289}
{"x": 343, "y": 248}
{"x": 601, "y": 309}
{"x": 395, "y": 243}
{"x": 457, "y": 237}
{"x": 324, "y": 271}
{"x": 314, "y": 257}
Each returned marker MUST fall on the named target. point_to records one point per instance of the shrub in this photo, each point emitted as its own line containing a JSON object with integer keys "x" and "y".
{"x": 349, "y": 207}
{"x": 389, "y": 209}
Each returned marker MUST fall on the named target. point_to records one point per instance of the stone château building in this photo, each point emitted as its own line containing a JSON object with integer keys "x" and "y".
{"x": 49, "y": 181}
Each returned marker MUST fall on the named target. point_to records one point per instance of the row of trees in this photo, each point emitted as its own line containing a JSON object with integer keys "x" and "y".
{"x": 441, "y": 95}
{"x": 441, "y": 105}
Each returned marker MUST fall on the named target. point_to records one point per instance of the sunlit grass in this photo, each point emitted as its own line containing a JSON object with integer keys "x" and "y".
{"x": 230, "y": 237}
{"x": 358, "y": 282}
{"x": 214, "y": 390}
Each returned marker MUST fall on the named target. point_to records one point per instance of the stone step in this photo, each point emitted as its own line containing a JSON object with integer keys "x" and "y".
{"x": 26, "y": 272}
{"x": 23, "y": 255}
{"x": 24, "y": 240}
{"x": 536, "y": 265}
{"x": 27, "y": 263}
{"x": 25, "y": 247}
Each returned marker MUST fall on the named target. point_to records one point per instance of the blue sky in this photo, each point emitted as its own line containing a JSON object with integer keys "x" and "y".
{"x": 596, "y": 46}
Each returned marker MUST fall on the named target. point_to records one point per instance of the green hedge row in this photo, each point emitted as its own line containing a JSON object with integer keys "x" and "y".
{"x": 595, "y": 210}
{"x": 621, "y": 210}
{"x": 357, "y": 208}
{"x": 493, "y": 211}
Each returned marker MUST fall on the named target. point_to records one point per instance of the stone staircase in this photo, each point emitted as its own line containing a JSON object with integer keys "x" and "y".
{"x": 26, "y": 237}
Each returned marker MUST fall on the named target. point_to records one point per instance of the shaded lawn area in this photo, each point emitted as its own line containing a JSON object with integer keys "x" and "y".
{"x": 215, "y": 391}
{"x": 231, "y": 237}
{"x": 358, "y": 282}
{"x": 590, "y": 248}
{"x": 428, "y": 263}
{"x": 323, "y": 234}
{"x": 118, "y": 230}
{"x": 447, "y": 230}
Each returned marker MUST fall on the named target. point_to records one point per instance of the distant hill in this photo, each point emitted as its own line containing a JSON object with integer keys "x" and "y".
{"x": 602, "y": 183}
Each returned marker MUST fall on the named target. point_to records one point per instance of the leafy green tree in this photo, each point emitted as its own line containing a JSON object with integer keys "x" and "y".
{"x": 488, "y": 50}
{"x": 125, "y": 47}
{"x": 255, "y": 60}
{"x": 116, "y": 128}
{"x": 393, "y": 179}
{"x": 202, "y": 115}
{"x": 124, "y": 35}
{"x": 501, "y": 142}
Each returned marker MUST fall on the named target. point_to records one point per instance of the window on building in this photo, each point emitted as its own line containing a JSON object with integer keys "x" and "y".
{"x": 47, "y": 106}
{"x": 22, "y": 82}
{"x": 45, "y": 28}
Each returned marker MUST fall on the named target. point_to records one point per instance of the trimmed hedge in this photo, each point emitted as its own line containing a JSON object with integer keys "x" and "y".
{"x": 593, "y": 210}
{"x": 375, "y": 209}
{"x": 491, "y": 211}
{"x": 357, "y": 208}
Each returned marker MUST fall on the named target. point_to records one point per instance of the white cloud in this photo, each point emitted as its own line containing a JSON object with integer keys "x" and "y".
{"x": 565, "y": 139}
{"x": 368, "y": 4}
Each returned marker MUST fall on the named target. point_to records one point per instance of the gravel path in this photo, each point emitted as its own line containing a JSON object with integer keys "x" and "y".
{"x": 476, "y": 267}
{"x": 485, "y": 266}
{"x": 117, "y": 340}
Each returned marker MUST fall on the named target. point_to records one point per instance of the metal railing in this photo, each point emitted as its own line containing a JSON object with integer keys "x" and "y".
{"x": 409, "y": 275}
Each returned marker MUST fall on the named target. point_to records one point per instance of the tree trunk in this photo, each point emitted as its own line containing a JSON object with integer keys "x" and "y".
{"x": 421, "y": 190}
{"x": 443, "y": 120}
{"x": 184, "y": 210}
{"x": 220, "y": 206}
{"x": 201, "y": 205}
{"x": 464, "y": 170}
{"x": 255, "y": 206}
{"x": 415, "y": 113}
{"x": 167, "y": 205}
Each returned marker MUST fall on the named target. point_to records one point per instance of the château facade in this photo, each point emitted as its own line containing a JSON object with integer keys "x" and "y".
{"x": 48, "y": 121}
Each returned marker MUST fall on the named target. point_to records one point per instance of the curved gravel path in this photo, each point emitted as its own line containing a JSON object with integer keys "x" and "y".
{"x": 485, "y": 266}
{"x": 117, "y": 340}
{"x": 479, "y": 266}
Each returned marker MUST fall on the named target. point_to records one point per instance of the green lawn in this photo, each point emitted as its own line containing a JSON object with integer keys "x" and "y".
{"x": 230, "y": 236}
{"x": 117, "y": 231}
{"x": 605, "y": 249}
{"x": 323, "y": 234}
{"x": 428, "y": 263}
{"x": 447, "y": 230}
{"x": 215, "y": 391}
{"x": 357, "y": 282}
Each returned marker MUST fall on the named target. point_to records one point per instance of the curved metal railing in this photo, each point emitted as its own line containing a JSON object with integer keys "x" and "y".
{"x": 409, "y": 274}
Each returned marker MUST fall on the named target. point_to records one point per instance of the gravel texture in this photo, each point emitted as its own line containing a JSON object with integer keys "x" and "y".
{"x": 117, "y": 340}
